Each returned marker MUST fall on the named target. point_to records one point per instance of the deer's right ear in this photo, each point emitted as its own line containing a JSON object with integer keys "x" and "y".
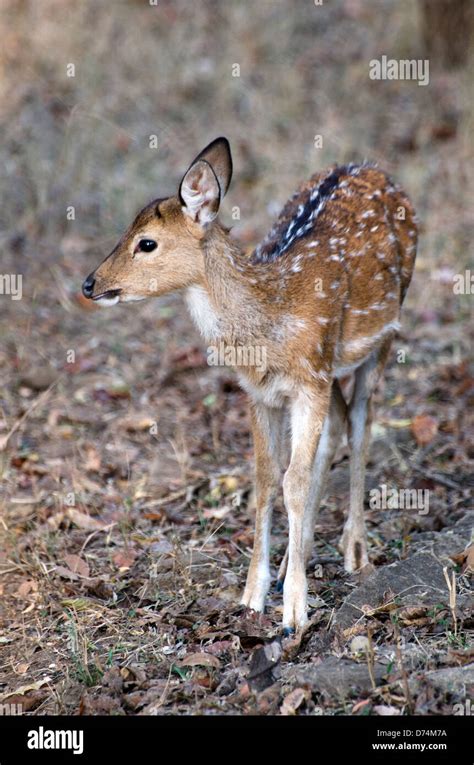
{"x": 206, "y": 182}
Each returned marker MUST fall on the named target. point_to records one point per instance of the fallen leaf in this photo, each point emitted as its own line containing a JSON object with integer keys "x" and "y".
{"x": 77, "y": 565}
{"x": 28, "y": 587}
{"x": 267, "y": 700}
{"x": 85, "y": 521}
{"x": 115, "y": 391}
{"x": 230, "y": 483}
{"x": 124, "y": 559}
{"x": 93, "y": 459}
{"x": 27, "y": 701}
{"x": 360, "y": 705}
{"x": 384, "y": 710}
{"x": 397, "y": 400}
{"x": 465, "y": 559}
{"x": 424, "y": 428}
{"x": 397, "y": 423}
{"x": 293, "y": 701}
{"x": 25, "y": 688}
{"x": 219, "y": 512}
{"x": 369, "y": 610}
{"x": 200, "y": 660}
{"x": 158, "y": 515}
{"x": 219, "y": 647}
{"x": 66, "y": 573}
{"x": 137, "y": 422}
{"x": 414, "y": 616}
{"x": 356, "y": 629}
{"x": 263, "y": 662}
{"x": 469, "y": 567}
{"x": 54, "y": 521}
{"x": 80, "y": 604}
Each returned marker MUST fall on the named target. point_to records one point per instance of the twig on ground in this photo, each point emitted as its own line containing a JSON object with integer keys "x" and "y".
{"x": 406, "y": 688}
{"x": 5, "y": 439}
{"x": 437, "y": 478}
{"x": 370, "y": 658}
{"x": 452, "y": 596}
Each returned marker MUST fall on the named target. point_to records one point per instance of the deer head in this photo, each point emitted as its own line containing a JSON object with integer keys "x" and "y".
{"x": 162, "y": 250}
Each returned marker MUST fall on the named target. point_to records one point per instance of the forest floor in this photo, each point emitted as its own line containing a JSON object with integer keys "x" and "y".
{"x": 126, "y": 497}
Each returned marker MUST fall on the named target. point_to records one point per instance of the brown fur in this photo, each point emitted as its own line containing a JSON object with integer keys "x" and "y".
{"x": 323, "y": 303}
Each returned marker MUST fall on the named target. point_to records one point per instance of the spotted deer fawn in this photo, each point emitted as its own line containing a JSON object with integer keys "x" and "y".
{"x": 321, "y": 294}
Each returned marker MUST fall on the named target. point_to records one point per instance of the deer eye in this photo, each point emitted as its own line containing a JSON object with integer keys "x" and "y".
{"x": 146, "y": 245}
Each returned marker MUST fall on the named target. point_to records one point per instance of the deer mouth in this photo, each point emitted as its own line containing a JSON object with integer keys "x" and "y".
{"x": 107, "y": 295}
{"x": 107, "y": 298}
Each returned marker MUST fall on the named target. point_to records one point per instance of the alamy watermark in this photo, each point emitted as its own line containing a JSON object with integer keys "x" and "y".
{"x": 7, "y": 709}
{"x": 400, "y": 69}
{"x": 387, "y": 498}
{"x": 463, "y": 284}
{"x": 42, "y": 738}
{"x": 464, "y": 709}
{"x": 11, "y": 284}
{"x": 237, "y": 356}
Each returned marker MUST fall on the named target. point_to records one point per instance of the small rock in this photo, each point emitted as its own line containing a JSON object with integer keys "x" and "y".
{"x": 38, "y": 379}
{"x": 360, "y": 644}
{"x": 334, "y": 677}
{"x": 453, "y": 680}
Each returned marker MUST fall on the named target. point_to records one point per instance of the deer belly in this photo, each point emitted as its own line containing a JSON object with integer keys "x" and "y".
{"x": 356, "y": 347}
{"x": 273, "y": 391}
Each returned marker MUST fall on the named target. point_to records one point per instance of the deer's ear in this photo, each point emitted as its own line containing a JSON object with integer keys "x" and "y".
{"x": 206, "y": 182}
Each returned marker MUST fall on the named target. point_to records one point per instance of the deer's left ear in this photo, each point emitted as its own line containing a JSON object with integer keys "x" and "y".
{"x": 206, "y": 182}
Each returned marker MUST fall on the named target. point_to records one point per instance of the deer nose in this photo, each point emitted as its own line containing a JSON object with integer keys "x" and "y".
{"x": 88, "y": 286}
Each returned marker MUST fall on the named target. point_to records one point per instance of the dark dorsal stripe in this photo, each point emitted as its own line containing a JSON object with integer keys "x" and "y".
{"x": 285, "y": 232}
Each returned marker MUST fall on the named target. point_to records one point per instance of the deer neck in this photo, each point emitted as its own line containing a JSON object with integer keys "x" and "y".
{"x": 224, "y": 303}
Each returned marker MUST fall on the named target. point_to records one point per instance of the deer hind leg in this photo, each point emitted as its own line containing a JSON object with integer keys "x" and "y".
{"x": 329, "y": 441}
{"x": 354, "y": 537}
{"x": 267, "y": 431}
